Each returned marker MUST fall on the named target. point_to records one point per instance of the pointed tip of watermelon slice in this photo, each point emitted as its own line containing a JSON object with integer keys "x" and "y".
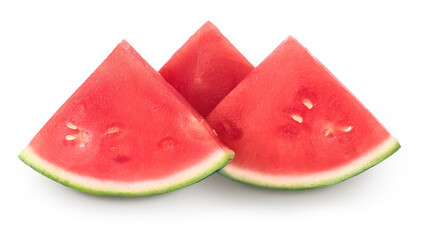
{"x": 207, "y": 29}
{"x": 125, "y": 45}
{"x": 187, "y": 177}
{"x": 291, "y": 38}
{"x": 323, "y": 179}
{"x": 209, "y": 23}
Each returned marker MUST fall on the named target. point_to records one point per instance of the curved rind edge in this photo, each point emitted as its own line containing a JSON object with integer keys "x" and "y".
{"x": 202, "y": 171}
{"x": 258, "y": 180}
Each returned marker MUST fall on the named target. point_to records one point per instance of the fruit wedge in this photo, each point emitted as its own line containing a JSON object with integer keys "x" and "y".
{"x": 293, "y": 125}
{"x": 206, "y": 68}
{"x": 126, "y": 132}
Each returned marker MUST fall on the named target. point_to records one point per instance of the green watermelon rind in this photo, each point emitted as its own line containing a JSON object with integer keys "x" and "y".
{"x": 195, "y": 174}
{"x": 380, "y": 153}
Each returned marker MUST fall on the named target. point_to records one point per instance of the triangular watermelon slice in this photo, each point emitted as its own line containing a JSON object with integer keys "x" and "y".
{"x": 206, "y": 68}
{"x": 293, "y": 125}
{"x": 126, "y": 132}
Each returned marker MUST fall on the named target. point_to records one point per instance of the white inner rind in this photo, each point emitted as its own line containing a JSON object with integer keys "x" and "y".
{"x": 96, "y": 186}
{"x": 324, "y": 178}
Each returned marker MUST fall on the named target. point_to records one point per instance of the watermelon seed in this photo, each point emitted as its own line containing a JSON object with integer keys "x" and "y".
{"x": 328, "y": 132}
{"x": 307, "y": 102}
{"x": 297, "y": 118}
{"x": 70, "y": 137}
{"x": 83, "y": 137}
{"x": 347, "y": 129}
{"x": 71, "y": 125}
{"x": 112, "y": 130}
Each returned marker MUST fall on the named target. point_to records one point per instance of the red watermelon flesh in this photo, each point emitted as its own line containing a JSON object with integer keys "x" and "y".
{"x": 206, "y": 68}
{"x": 293, "y": 125}
{"x": 126, "y": 132}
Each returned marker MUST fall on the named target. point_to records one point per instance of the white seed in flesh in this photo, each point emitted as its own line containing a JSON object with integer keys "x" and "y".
{"x": 307, "y": 102}
{"x": 70, "y": 137}
{"x": 327, "y": 132}
{"x": 347, "y": 129}
{"x": 297, "y": 118}
{"x": 71, "y": 125}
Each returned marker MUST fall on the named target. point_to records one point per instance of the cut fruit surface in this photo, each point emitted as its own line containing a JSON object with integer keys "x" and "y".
{"x": 293, "y": 125}
{"x": 127, "y": 132}
{"x": 206, "y": 68}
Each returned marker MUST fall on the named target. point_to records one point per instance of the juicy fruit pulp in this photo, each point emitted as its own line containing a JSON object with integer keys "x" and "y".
{"x": 293, "y": 125}
{"x": 125, "y": 131}
{"x": 206, "y": 68}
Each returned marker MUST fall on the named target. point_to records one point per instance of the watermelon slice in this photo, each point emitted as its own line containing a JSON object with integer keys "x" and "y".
{"x": 126, "y": 132}
{"x": 293, "y": 125}
{"x": 206, "y": 68}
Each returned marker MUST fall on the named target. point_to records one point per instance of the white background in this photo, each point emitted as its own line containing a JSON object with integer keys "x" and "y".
{"x": 48, "y": 49}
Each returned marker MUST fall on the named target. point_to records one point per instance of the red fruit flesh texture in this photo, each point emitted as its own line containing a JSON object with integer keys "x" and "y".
{"x": 290, "y": 115}
{"x": 125, "y": 123}
{"x": 206, "y": 68}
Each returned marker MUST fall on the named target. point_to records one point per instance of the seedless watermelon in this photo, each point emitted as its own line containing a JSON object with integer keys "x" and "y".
{"x": 293, "y": 125}
{"x": 206, "y": 68}
{"x": 126, "y": 132}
